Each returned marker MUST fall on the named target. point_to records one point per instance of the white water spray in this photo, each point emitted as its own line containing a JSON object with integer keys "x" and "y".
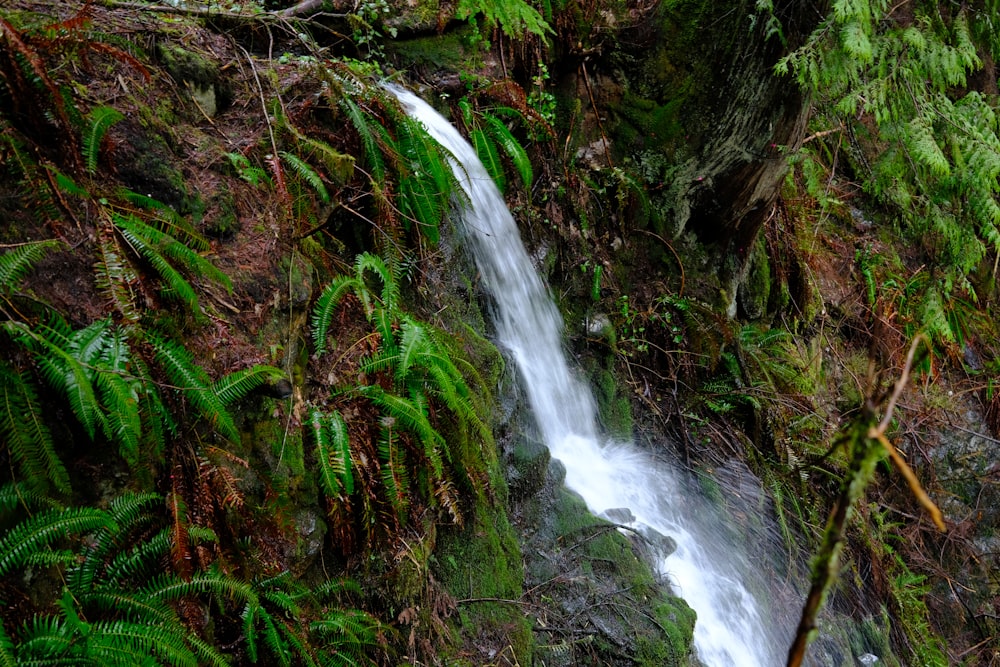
{"x": 729, "y": 630}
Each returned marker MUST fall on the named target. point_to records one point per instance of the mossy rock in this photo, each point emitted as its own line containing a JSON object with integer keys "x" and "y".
{"x": 527, "y": 468}
{"x": 480, "y": 565}
{"x": 614, "y": 408}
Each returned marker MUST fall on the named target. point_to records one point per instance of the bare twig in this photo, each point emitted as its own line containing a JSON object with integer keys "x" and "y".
{"x": 851, "y": 489}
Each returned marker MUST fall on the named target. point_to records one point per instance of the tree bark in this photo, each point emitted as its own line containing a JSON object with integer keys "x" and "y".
{"x": 746, "y": 123}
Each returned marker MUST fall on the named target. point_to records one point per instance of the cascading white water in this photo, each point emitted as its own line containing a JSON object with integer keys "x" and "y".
{"x": 729, "y": 630}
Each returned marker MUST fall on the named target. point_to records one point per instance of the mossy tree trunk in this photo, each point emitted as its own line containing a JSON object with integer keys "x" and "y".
{"x": 740, "y": 119}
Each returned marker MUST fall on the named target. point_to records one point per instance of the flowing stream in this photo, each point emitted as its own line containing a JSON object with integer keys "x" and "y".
{"x": 705, "y": 570}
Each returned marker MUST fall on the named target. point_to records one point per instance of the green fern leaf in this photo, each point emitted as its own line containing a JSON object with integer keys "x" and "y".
{"x": 167, "y": 220}
{"x": 111, "y": 600}
{"x": 332, "y": 452}
{"x": 35, "y": 533}
{"x": 8, "y": 654}
{"x": 155, "y": 246}
{"x": 115, "y": 277}
{"x": 327, "y": 302}
{"x": 138, "y": 563}
{"x": 63, "y": 371}
{"x": 411, "y": 414}
{"x": 17, "y": 263}
{"x": 372, "y": 151}
{"x": 413, "y": 346}
{"x": 390, "y": 289}
{"x": 487, "y": 152}
{"x": 426, "y": 179}
{"x": 179, "y": 366}
{"x": 239, "y": 384}
{"x": 393, "y": 473}
{"x": 27, "y": 437}
{"x": 127, "y": 512}
{"x": 516, "y": 18}
{"x": 308, "y": 174}
{"x": 339, "y": 165}
{"x": 272, "y": 638}
{"x": 101, "y": 119}
{"x": 126, "y": 643}
{"x": 45, "y": 640}
{"x": 177, "y": 287}
{"x": 122, "y": 422}
{"x": 253, "y": 175}
{"x": 512, "y": 147}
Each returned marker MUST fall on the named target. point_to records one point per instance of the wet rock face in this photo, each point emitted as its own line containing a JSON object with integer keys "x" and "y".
{"x": 595, "y": 598}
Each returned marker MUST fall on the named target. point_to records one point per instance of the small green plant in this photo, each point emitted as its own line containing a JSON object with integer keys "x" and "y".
{"x": 895, "y": 93}
{"x": 119, "y": 607}
{"x": 487, "y": 133}
{"x": 516, "y": 18}
{"x": 367, "y": 24}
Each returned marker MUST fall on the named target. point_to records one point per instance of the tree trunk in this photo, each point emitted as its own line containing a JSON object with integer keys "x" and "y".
{"x": 745, "y": 122}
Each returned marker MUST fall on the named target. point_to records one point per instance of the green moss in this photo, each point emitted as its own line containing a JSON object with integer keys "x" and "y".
{"x": 614, "y": 408}
{"x": 481, "y": 565}
{"x": 450, "y": 51}
{"x": 677, "y": 620}
{"x": 184, "y": 65}
{"x": 607, "y": 555}
{"x": 754, "y": 291}
{"x": 224, "y": 221}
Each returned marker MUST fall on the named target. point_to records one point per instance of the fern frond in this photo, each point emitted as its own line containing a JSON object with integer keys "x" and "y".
{"x": 15, "y": 264}
{"x": 138, "y": 607}
{"x": 363, "y": 126}
{"x": 486, "y": 150}
{"x": 114, "y": 276}
{"x": 253, "y": 175}
{"x": 126, "y": 643}
{"x": 127, "y": 512}
{"x": 366, "y": 262}
{"x": 155, "y": 246}
{"x": 239, "y": 384}
{"x": 207, "y": 654}
{"x": 101, "y": 119}
{"x": 45, "y": 640}
{"x": 8, "y": 654}
{"x": 177, "y": 287}
{"x": 385, "y": 323}
{"x": 512, "y": 147}
{"x": 413, "y": 345}
{"x": 274, "y": 641}
{"x": 307, "y": 174}
{"x": 426, "y": 180}
{"x": 411, "y": 414}
{"x": 122, "y": 422}
{"x": 393, "y": 473}
{"x": 332, "y": 452}
{"x": 171, "y": 587}
{"x": 516, "y": 18}
{"x": 339, "y": 165}
{"x": 64, "y": 372}
{"x": 327, "y": 302}
{"x": 167, "y": 220}
{"x": 14, "y": 495}
{"x": 26, "y": 435}
{"x": 35, "y": 533}
{"x": 180, "y": 367}
{"x": 140, "y": 562}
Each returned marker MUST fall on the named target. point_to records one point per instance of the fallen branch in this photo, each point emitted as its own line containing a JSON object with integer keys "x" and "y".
{"x": 302, "y": 11}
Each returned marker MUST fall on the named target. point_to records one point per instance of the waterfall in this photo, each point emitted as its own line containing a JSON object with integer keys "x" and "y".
{"x": 710, "y": 575}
